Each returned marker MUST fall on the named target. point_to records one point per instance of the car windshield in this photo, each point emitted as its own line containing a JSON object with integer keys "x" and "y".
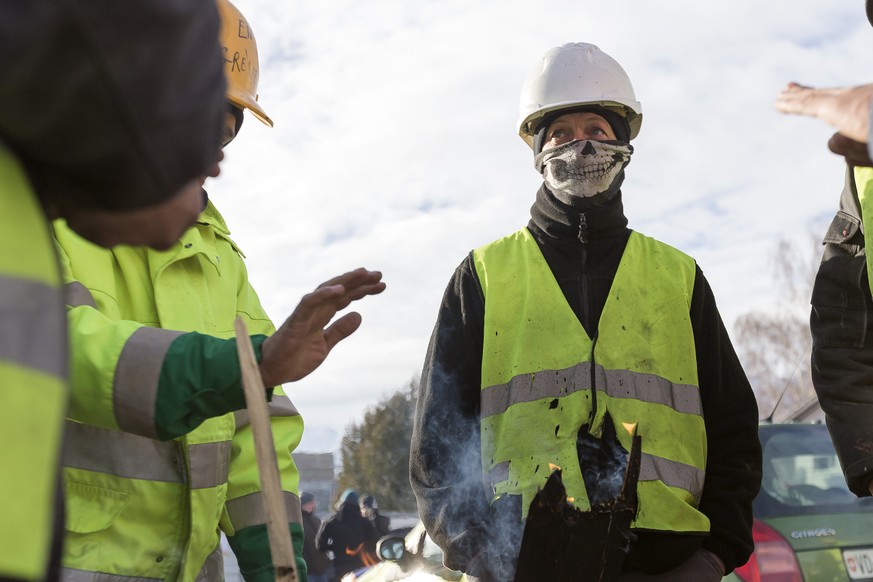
{"x": 802, "y": 475}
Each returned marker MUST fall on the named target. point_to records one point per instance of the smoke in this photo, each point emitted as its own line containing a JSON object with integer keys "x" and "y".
{"x": 603, "y": 462}
{"x": 446, "y": 473}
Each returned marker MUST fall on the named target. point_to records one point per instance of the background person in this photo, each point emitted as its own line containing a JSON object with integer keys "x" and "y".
{"x": 841, "y": 320}
{"x": 348, "y": 536}
{"x": 370, "y": 510}
{"x": 557, "y": 334}
{"x": 317, "y": 563}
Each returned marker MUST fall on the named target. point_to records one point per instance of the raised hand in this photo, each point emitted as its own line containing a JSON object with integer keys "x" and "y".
{"x": 303, "y": 342}
{"x": 846, "y": 109}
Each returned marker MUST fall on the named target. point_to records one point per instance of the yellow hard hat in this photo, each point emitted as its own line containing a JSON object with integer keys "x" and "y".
{"x": 240, "y": 60}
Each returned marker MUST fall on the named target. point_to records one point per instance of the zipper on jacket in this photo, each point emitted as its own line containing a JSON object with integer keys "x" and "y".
{"x": 583, "y": 279}
{"x": 593, "y": 384}
{"x": 586, "y": 309}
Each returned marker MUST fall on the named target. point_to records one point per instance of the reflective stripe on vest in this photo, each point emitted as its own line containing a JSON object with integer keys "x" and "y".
{"x": 136, "y": 379}
{"x": 33, "y": 375}
{"x": 279, "y": 405}
{"x": 74, "y": 575}
{"x": 38, "y": 334}
{"x": 76, "y": 295}
{"x": 248, "y": 510}
{"x": 134, "y": 457}
{"x": 213, "y": 569}
{"x": 539, "y": 368}
{"x": 616, "y": 383}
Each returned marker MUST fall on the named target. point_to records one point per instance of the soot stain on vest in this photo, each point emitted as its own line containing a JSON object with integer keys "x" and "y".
{"x": 557, "y": 428}
{"x": 553, "y": 404}
{"x": 537, "y": 468}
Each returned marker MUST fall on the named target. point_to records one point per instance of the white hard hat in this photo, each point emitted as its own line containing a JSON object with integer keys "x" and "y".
{"x": 574, "y": 75}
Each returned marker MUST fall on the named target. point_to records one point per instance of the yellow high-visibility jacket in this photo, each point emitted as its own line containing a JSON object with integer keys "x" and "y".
{"x": 142, "y": 507}
{"x": 33, "y": 376}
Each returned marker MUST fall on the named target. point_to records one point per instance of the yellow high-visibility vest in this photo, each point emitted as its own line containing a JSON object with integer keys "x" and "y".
{"x": 864, "y": 187}
{"x": 33, "y": 376}
{"x": 540, "y": 366}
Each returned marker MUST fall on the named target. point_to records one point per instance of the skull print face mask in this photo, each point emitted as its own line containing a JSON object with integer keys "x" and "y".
{"x": 584, "y": 169}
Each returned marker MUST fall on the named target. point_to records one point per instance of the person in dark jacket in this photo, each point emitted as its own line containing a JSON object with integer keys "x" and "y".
{"x": 847, "y": 109}
{"x": 317, "y": 562}
{"x": 348, "y": 536}
{"x": 842, "y": 333}
{"x": 370, "y": 510}
{"x": 557, "y": 335}
{"x": 841, "y": 319}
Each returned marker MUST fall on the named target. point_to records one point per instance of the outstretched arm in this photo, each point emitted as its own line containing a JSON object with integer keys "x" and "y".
{"x": 304, "y": 340}
{"x": 846, "y": 109}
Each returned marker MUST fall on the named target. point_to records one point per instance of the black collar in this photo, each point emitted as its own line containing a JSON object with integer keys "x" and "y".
{"x": 558, "y": 220}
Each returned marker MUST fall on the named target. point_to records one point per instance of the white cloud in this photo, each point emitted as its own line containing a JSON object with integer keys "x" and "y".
{"x": 395, "y": 148}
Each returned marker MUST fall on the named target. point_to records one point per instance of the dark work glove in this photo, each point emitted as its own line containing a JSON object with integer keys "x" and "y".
{"x": 855, "y": 152}
{"x": 702, "y": 566}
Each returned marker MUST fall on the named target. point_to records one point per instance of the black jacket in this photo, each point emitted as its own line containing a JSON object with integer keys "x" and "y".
{"x": 316, "y": 561}
{"x": 842, "y": 332}
{"x": 381, "y": 523}
{"x": 349, "y": 535}
{"x": 583, "y": 251}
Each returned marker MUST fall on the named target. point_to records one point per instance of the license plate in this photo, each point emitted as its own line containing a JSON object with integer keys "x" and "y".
{"x": 859, "y": 563}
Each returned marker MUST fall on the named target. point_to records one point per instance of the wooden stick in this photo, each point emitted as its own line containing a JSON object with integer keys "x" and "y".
{"x": 281, "y": 547}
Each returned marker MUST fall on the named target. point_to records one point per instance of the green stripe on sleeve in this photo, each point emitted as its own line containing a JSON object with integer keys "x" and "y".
{"x": 200, "y": 378}
{"x": 251, "y": 546}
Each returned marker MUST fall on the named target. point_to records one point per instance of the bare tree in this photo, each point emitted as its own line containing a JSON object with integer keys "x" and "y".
{"x": 375, "y": 452}
{"x": 774, "y": 347}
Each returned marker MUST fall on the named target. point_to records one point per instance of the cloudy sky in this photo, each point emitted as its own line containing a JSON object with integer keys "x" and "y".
{"x": 395, "y": 148}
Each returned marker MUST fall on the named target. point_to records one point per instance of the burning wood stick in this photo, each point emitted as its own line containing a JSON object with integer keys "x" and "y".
{"x": 563, "y": 544}
{"x": 281, "y": 548}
